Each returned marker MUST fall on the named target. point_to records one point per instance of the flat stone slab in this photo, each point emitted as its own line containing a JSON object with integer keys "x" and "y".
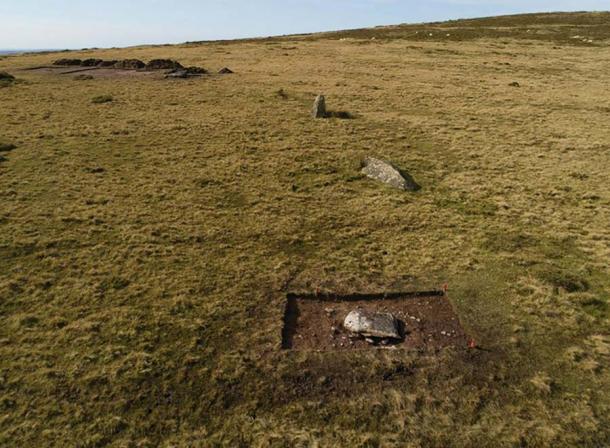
{"x": 389, "y": 174}
{"x": 376, "y": 325}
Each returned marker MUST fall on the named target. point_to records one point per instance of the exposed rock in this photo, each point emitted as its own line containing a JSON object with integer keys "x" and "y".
{"x": 514, "y": 84}
{"x": 389, "y": 174}
{"x": 186, "y": 72}
{"x": 130, "y": 64}
{"x": 91, "y": 62}
{"x": 372, "y": 325}
{"x": 178, "y": 74}
{"x": 163, "y": 64}
{"x": 225, "y": 71}
{"x": 68, "y": 62}
{"x": 319, "y": 107}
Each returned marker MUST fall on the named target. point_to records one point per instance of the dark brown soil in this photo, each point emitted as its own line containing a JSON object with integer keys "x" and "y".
{"x": 163, "y": 64}
{"x": 130, "y": 64}
{"x": 428, "y": 321}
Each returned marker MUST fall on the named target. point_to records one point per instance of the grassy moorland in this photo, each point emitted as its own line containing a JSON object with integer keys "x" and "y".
{"x": 147, "y": 242}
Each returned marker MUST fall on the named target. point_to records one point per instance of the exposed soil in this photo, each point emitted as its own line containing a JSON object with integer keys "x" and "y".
{"x": 428, "y": 321}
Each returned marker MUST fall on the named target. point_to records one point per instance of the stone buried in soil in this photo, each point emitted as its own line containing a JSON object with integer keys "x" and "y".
{"x": 389, "y": 174}
{"x": 319, "y": 107}
{"x": 376, "y": 325}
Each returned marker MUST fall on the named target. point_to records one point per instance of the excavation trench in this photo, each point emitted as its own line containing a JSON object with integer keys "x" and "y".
{"x": 427, "y": 320}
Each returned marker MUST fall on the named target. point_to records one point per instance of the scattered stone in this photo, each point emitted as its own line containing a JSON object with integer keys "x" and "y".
{"x": 91, "y": 62}
{"x": 514, "y": 84}
{"x": 370, "y": 340}
{"x": 130, "y": 64}
{"x": 329, "y": 312}
{"x": 389, "y": 174}
{"x": 163, "y": 64}
{"x": 319, "y": 107}
{"x": 376, "y": 325}
{"x": 68, "y": 62}
{"x": 225, "y": 71}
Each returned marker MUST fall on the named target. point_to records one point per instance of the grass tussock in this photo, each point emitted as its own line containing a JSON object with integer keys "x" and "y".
{"x": 102, "y": 99}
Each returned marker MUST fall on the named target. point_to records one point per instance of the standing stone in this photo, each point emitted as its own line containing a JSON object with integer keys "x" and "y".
{"x": 376, "y": 325}
{"x": 389, "y": 174}
{"x": 319, "y": 107}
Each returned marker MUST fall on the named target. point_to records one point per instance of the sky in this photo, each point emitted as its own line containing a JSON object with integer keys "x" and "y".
{"x": 74, "y": 24}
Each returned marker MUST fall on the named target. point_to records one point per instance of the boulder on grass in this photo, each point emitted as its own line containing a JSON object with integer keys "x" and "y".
{"x": 389, "y": 174}
{"x": 372, "y": 325}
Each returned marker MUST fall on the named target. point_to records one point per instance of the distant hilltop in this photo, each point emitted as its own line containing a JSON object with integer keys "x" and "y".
{"x": 9, "y": 52}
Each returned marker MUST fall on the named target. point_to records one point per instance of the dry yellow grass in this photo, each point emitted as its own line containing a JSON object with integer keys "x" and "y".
{"x": 147, "y": 243}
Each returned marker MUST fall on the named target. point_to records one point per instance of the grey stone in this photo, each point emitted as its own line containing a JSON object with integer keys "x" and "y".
{"x": 389, "y": 174}
{"x": 375, "y": 325}
{"x": 180, "y": 73}
{"x": 319, "y": 107}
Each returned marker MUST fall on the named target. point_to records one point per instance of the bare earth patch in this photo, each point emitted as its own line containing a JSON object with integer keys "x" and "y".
{"x": 427, "y": 321}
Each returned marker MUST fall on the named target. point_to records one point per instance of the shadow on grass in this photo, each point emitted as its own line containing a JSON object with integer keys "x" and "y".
{"x": 342, "y": 115}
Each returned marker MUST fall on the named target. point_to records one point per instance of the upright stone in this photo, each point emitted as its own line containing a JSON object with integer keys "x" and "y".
{"x": 319, "y": 107}
{"x": 389, "y": 174}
